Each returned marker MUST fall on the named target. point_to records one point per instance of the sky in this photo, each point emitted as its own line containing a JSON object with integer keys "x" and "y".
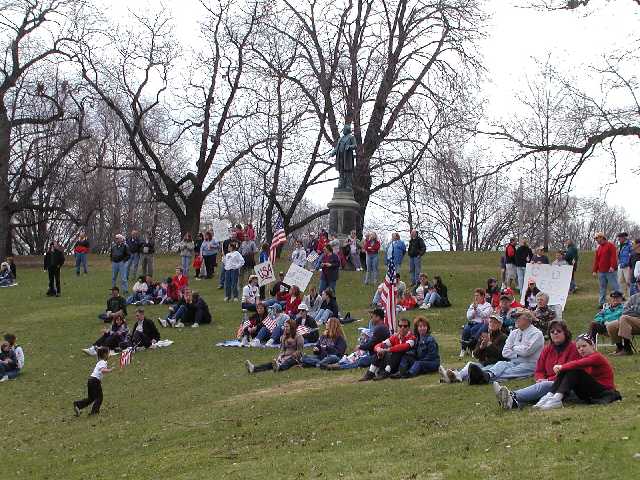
{"x": 516, "y": 37}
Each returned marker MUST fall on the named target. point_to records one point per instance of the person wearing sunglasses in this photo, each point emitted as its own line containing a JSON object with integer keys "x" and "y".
{"x": 389, "y": 353}
{"x": 590, "y": 378}
{"x": 559, "y": 351}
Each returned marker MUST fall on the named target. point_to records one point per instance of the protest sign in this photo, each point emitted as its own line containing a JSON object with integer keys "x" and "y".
{"x": 298, "y": 276}
{"x": 265, "y": 273}
{"x": 553, "y": 280}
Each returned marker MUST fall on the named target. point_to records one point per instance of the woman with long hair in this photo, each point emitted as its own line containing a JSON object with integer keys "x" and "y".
{"x": 291, "y": 345}
{"x": 330, "y": 348}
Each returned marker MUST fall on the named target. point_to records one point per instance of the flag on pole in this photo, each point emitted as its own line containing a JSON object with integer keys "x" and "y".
{"x": 279, "y": 238}
{"x": 388, "y": 296}
{"x": 125, "y": 357}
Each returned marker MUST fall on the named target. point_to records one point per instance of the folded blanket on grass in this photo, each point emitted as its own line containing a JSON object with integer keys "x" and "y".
{"x": 237, "y": 343}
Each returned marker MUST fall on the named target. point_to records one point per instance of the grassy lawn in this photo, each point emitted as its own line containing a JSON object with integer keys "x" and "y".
{"x": 191, "y": 411}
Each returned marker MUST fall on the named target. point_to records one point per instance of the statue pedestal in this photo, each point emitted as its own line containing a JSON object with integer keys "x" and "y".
{"x": 344, "y": 212}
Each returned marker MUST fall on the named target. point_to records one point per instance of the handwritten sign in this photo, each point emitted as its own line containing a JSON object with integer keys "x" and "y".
{"x": 553, "y": 280}
{"x": 220, "y": 230}
{"x": 298, "y": 276}
{"x": 265, "y": 273}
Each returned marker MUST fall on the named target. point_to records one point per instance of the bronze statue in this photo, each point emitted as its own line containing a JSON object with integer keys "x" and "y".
{"x": 344, "y": 152}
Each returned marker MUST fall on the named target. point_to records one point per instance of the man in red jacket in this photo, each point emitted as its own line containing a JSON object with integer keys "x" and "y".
{"x": 605, "y": 266}
{"x": 389, "y": 353}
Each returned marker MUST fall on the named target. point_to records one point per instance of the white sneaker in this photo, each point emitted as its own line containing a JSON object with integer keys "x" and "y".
{"x": 250, "y": 366}
{"x": 443, "y": 375}
{"x": 423, "y": 306}
{"x": 4, "y": 379}
{"x": 226, "y": 299}
{"x": 496, "y": 388}
{"x": 255, "y": 343}
{"x": 195, "y": 325}
{"x": 505, "y": 399}
{"x": 453, "y": 376}
{"x": 552, "y": 404}
{"x": 462, "y": 352}
{"x": 244, "y": 342}
{"x": 179, "y": 325}
{"x": 91, "y": 351}
{"x": 543, "y": 400}
{"x": 171, "y": 321}
{"x": 163, "y": 322}
{"x": 270, "y": 342}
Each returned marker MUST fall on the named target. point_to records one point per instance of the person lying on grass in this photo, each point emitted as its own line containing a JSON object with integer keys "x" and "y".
{"x": 291, "y": 345}
{"x": 610, "y": 313}
{"x": 521, "y": 350}
{"x": 330, "y": 348}
{"x": 389, "y": 353}
{"x": 111, "y": 337}
{"x": 590, "y": 378}
{"x": 488, "y": 351}
{"x": 424, "y": 356}
{"x": 558, "y": 352}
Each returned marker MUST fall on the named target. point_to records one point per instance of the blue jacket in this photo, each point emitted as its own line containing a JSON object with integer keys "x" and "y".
{"x": 396, "y": 251}
{"x": 624, "y": 254}
{"x": 426, "y": 349}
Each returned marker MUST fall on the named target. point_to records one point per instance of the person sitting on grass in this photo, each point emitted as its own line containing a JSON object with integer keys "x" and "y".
{"x": 111, "y": 337}
{"x": 487, "y": 351}
{"x": 610, "y": 313}
{"x": 530, "y": 294}
{"x": 178, "y": 312}
{"x": 543, "y": 314}
{"x": 8, "y": 362}
{"x": 492, "y": 293}
{"x": 197, "y": 312}
{"x": 313, "y": 301}
{"x": 116, "y": 305}
{"x": 272, "y": 328}
{"x": 436, "y": 295}
{"x": 328, "y": 308}
{"x": 558, "y": 352}
{"x": 11, "y": 338}
{"x": 478, "y": 315}
{"x": 424, "y": 356}
{"x": 250, "y": 332}
{"x": 422, "y": 289}
{"x": 143, "y": 332}
{"x": 279, "y": 292}
{"x": 303, "y": 319}
{"x": 330, "y": 347}
{"x": 590, "y": 378}
{"x": 509, "y": 293}
{"x": 291, "y": 345}
{"x": 504, "y": 311}
{"x": 251, "y": 294}
{"x": 389, "y": 353}
{"x": 160, "y": 293}
{"x": 294, "y": 299}
{"x": 6, "y": 276}
{"x": 180, "y": 281}
{"x": 522, "y": 350}
{"x": 139, "y": 292}
{"x": 408, "y": 302}
{"x": 622, "y": 330}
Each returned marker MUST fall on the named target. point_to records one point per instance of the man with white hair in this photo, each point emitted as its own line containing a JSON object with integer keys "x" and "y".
{"x": 119, "y": 260}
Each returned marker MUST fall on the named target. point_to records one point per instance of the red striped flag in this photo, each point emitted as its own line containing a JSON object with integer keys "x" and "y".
{"x": 279, "y": 238}
{"x": 302, "y": 330}
{"x": 243, "y": 325}
{"x": 125, "y": 357}
{"x": 270, "y": 323}
{"x": 388, "y": 297}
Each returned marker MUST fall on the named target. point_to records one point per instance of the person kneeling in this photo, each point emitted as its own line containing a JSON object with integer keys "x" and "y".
{"x": 389, "y": 353}
{"x": 424, "y": 356}
{"x": 590, "y": 378}
{"x": 291, "y": 345}
{"x": 330, "y": 348}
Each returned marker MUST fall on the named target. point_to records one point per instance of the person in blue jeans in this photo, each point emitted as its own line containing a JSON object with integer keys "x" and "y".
{"x": 396, "y": 250}
{"x": 233, "y": 262}
{"x": 134, "y": 242}
{"x": 271, "y": 337}
{"x": 80, "y": 250}
{"x": 119, "y": 261}
{"x": 371, "y": 247}
{"x": 416, "y": 250}
{"x": 424, "y": 356}
{"x": 330, "y": 347}
{"x": 330, "y": 264}
{"x": 328, "y": 308}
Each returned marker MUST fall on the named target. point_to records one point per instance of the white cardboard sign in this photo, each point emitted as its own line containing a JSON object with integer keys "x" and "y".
{"x": 298, "y": 276}
{"x": 265, "y": 273}
{"x": 220, "y": 230}
{"x": 554, "y": 280}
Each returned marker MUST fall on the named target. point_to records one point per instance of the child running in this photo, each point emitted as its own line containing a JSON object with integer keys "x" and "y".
{"x": 94, "y": 384}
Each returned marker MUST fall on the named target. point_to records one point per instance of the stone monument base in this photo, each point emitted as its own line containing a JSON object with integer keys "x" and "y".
{"x": 344, "y": 212}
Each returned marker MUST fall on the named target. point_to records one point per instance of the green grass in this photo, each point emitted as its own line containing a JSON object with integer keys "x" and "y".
{"x": 191, "y": 411}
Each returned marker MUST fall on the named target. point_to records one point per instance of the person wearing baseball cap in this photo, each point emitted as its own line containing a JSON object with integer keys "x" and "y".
{"x": 610, "y": 313}
{"x": 303, "y": 319}
{"x": 605, "y": 266}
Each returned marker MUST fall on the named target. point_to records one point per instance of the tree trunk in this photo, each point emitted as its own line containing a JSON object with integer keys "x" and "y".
{"x": 5, "y": 207}
{"x": 189, "y": 220}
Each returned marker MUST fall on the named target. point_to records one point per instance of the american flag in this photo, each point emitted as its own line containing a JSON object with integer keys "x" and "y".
{"x": 312, "y": 257}
{"x": 125, "y": 357}
{"x": 270, "y": 323}
{"x": 243, "y": 325}
{"x": 302, "y": 330}
{"x": 279, "y": 238}
{"x": 388, "y": 296}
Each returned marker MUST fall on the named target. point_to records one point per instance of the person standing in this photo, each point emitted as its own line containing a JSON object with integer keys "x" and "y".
{"x": 147, "y": 250}
{"x": 53, "y": 261}
{"x": 416, "y": 250}
{"x": 209, "y": 251}
{"x": 354, "y": 251}
{"x": 371, "y": 248}
{"x": 119, "y": 259}
{"x": 510, "y": 274}
{"x": 299, "y": 255}
{"x": 624, "y": 257}
{"x": 396, "y": 250}
{"x": 523, "y": 256}
{"x": 571, "y": 257}
{"x": 80, "y": 251}
{"x": 605, "y": 266}
{"x": 186, "y": 249}
{"x": 330, "y": 264}
{"x": 248, "y": 250}
{"x": 135, "y": 246}
{"x": 633, "y": 265}
{"x": 233, "y": 262}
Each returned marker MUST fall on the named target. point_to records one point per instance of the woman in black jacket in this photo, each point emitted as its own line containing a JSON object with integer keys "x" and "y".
{"x": 197, "y": 311}
{"x": 436, "y": 296}
{"x": 328, "y": 308}
{"x": 53, "y": 261}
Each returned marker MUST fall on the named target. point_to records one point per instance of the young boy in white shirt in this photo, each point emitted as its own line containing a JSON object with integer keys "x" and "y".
{"x": 94, "y": 384}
